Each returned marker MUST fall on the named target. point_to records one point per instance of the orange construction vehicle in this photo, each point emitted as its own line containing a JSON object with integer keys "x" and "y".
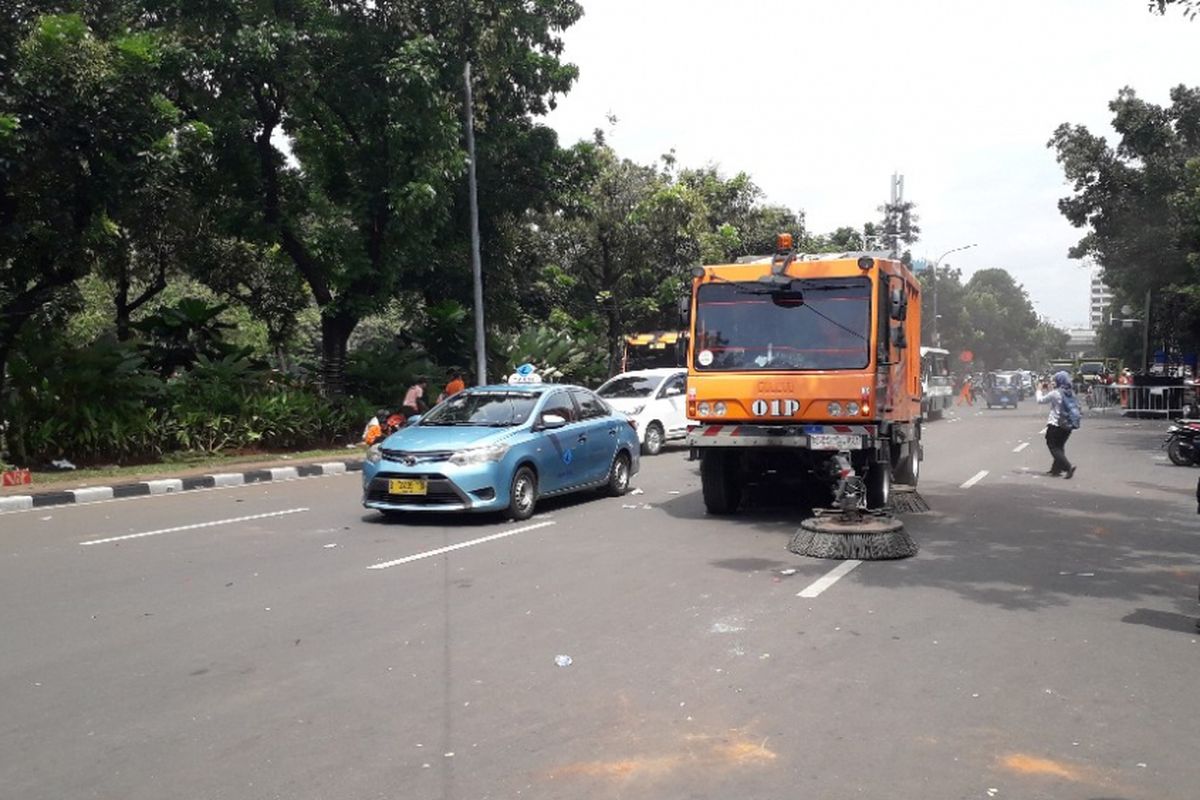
{"x": 805, "y": 367}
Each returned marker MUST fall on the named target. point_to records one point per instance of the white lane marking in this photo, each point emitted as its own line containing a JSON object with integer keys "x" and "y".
{"x": 196, "y": 526}
{"x": 1042, "y": 431}
{"x": 974, "y": 479}
{"x": 1020, "y": 447}
{"x": 460, "y": 545}
{"x": 829, "y": 579}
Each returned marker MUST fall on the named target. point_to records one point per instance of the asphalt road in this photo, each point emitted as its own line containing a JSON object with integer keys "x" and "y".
{"x": 1041, "y": 645}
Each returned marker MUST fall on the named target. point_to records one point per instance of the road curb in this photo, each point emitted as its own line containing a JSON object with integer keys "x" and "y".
{"x": 96, "y": 494}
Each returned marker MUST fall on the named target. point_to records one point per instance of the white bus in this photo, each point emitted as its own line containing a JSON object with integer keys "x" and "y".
{"x": 937, "y": 393}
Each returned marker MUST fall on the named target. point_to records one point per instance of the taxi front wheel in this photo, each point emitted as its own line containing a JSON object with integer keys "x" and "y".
{"x": 522, "y": 495}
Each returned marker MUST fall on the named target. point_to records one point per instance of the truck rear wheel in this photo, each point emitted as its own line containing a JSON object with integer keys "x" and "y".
{"x": 879, "y": 484}
{"x": 719, "y": 482}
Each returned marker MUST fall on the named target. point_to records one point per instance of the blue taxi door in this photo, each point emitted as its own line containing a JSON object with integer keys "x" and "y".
{"x": 601, "y": 429}
{"x": 560, "y": 455}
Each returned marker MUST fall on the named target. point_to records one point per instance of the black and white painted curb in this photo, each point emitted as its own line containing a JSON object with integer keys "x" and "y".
{"x": 92, "y": 494}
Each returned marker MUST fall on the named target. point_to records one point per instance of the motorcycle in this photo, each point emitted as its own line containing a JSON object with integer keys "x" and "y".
{"x": 1183, "y": 442}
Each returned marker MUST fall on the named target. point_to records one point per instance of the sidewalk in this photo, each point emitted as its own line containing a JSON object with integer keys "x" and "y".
{"x": 163, "y": 479}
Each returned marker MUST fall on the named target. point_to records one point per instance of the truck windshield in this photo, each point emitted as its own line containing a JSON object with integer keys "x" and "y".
{"x": 817, "y": 324}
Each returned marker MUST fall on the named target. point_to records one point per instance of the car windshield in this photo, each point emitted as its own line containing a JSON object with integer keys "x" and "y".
{"x": 817, "y": 324}
{"x": 629, "y": 386}
{"x": 494, "y": 409}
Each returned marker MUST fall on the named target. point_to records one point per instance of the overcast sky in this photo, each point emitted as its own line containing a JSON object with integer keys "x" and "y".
{"x": 820, "y": 101}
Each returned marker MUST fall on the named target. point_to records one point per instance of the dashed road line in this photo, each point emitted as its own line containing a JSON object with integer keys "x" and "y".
{"x": 1020, "y": 447}
{"x": 195, "y": 526}
{"x": 974, "y": 479}
{"x": 1042, "y": 431}
{"x": 460, "y": 545}
{"x": 829, "y": 579}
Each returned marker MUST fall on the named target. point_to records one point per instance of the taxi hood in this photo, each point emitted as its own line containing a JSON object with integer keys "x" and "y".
{"x": 430, "y": 438}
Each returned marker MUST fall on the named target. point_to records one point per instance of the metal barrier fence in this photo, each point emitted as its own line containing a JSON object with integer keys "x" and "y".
{"x": 1140, "y": 401}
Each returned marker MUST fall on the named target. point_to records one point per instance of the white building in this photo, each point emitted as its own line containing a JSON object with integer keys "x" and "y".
{"x": 1100, "y": 300}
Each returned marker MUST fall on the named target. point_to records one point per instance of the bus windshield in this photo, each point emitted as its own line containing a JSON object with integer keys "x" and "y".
{"x": 810, "y": 324}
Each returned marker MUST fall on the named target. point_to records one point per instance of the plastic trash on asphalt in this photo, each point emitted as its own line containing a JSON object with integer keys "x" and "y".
{"x": 563, "y": 661}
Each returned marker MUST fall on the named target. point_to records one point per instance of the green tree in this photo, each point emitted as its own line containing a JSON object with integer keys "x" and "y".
{"x": 1190, "y": 8}
{"x": 1001, "y": 318}
{"x": 369, "y": 98}
{"x": 1139, "y": 202}
{"x": 81, "y": 117}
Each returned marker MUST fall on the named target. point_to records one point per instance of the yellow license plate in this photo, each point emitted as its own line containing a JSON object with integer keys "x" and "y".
{"x": 408, "y": 487}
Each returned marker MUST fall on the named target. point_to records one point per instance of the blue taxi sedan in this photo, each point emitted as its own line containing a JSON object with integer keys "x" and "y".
{"x": 502, "y": 448}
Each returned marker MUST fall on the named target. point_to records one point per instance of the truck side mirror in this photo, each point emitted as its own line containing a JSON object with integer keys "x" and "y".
{"x": 685, "y": 311}
{"x": 899, "y": 305}
{"x": 899, "y": 338}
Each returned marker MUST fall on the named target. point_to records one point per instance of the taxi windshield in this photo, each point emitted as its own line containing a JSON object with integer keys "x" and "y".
{"x": 489, "y": 409}
{"x": 629, "y": 386}
{"x": 811, "y": 324}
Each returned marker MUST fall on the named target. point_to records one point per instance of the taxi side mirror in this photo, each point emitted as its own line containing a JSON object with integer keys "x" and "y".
{"x": 413, "y": 420}
{"x": 552, "y": 421}
{"x": 673, "y": 391}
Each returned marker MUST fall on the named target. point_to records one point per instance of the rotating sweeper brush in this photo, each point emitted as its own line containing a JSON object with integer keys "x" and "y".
{"x": 850, "y": 531}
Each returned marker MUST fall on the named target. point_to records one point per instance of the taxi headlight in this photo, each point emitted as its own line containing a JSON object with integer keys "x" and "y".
{"x": 834, "y": 409}
{"x": 852, "y": 409}
{"x": 719, "y": 409}
{"x": 704, "y": 409}
{"x": 374, "y": 456}
{"x": 478, "y": 455}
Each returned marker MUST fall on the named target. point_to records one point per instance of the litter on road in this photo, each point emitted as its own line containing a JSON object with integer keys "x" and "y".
{"x": 563, "y": 661}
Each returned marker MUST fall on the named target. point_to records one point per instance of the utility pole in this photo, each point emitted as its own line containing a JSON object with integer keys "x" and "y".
{"x": 1146, "y": 335}
{"x": 476, "y": 261}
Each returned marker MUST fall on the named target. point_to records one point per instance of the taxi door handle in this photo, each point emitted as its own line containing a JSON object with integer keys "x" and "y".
{"x": 612, "y": 431}
{"x": 582, "y": 438}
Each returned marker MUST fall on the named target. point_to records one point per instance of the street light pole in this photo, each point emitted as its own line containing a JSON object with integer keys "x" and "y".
{"x": 937, "y": 340}
{"x": 476, "y": 265}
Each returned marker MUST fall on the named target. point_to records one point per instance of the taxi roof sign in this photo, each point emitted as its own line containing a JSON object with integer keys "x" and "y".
{"x": 525, "y": 374}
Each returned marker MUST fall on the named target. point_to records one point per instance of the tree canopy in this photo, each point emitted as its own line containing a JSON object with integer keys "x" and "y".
{"x": 1139, "y": 202}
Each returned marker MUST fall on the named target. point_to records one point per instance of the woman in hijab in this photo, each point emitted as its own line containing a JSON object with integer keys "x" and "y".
{"x": 1057, "y": 431}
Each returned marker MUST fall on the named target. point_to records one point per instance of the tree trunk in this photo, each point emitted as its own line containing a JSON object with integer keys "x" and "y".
{"x": 335, "y": 335}
{"x": 121, "y": 301}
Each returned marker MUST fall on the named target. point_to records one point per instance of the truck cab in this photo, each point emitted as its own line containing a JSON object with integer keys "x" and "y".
{"x": 800, "y": 366}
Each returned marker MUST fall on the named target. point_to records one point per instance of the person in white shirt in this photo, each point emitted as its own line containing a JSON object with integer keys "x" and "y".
{"x": 1057, "y": 431}
{"x": 414, "y": 398}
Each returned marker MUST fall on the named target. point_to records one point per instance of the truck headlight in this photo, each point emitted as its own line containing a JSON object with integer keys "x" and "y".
{"x": 478, "y": 455}
{"x": 704, "y": 409}
{"x": 374, "y": 456}
{"x": 719, "y": 409}
{"x": 834, "y": 409}
{"x": 852, "y": 409}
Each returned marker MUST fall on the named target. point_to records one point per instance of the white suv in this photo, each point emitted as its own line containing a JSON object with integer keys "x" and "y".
{"x": 655, "y": 399}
